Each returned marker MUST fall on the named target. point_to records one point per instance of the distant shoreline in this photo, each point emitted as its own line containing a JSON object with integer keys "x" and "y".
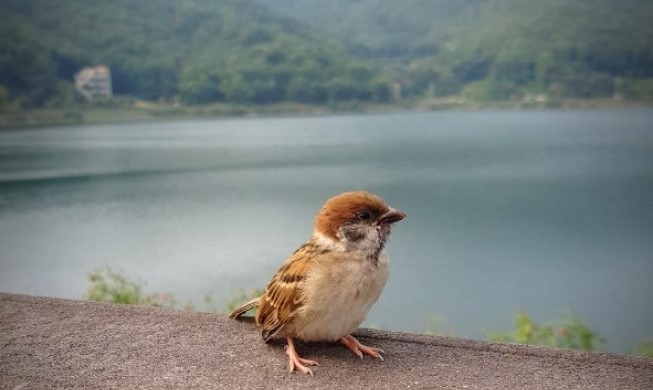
{"x": 153, "y": 112}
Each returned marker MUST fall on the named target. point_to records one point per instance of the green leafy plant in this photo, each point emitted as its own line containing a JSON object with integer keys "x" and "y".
{"x": 108, "y": 285}
{"x": 570, "y": 332}
{"x": 439, "y": 325}
{"x": 645, "y": 348}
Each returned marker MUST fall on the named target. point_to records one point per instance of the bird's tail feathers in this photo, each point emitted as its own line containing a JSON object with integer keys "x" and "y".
{"x": 254, "y": 303}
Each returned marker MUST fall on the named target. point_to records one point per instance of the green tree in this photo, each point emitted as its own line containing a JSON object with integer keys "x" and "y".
{"x": 27, "y": 70}
{"x": 198, "y": 85}
{"x": 4, "y": 97}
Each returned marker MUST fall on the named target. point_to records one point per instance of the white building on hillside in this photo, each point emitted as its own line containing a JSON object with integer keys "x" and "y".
{"x": 94, "y": 81}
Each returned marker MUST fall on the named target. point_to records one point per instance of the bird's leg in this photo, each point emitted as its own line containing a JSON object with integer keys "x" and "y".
{"x": 359, "y": 349}
{"x": 294, "y": 361}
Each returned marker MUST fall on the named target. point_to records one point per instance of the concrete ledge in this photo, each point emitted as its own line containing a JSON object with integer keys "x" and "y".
{"x": 47, "y": 342}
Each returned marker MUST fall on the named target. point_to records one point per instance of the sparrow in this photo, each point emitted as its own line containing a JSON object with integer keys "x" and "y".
{"x": 325, "y": 289}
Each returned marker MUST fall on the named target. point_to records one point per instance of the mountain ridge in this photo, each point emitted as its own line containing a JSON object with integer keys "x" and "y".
{"x": 309, "y": 51}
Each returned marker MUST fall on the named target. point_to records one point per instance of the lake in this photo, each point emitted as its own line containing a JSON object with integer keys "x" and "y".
{"x": 544, "y": 211}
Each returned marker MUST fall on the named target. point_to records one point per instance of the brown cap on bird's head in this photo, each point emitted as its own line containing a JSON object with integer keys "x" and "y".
{"x": 353, "y": 207}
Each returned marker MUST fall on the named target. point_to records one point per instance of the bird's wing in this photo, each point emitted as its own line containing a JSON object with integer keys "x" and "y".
{"x": 283, "y": 295}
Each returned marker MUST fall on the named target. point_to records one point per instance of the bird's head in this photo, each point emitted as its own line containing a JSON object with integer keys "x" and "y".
{"x": 356, "y": 220}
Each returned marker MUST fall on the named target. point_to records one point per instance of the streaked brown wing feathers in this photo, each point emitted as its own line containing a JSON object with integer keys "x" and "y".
{"x": 282, "y": 296}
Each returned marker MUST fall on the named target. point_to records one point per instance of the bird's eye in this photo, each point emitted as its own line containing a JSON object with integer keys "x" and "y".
{"x": 363, "y": 215}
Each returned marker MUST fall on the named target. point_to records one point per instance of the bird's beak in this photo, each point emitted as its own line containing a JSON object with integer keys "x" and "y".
{"x": 392, "y": 216}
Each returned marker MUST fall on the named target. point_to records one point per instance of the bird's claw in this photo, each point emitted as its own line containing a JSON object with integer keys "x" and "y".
{"x": 359, "y": 349}
{"x": 295, "y": 361}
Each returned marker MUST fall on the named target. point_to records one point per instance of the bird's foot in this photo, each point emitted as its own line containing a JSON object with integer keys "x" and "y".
{"x": 295, "y": 361}
{"x": 360, "y": 349}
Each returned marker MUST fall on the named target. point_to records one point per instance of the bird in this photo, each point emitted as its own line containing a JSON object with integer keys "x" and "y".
{"x": 324, "y": 290}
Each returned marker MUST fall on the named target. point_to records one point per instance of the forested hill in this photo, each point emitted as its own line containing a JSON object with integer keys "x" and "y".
{"x": 501, "y": 47}
{"x": 195, "y": 50}
{"x": 409, "y": 29}
{"x": 314, "y": 51}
